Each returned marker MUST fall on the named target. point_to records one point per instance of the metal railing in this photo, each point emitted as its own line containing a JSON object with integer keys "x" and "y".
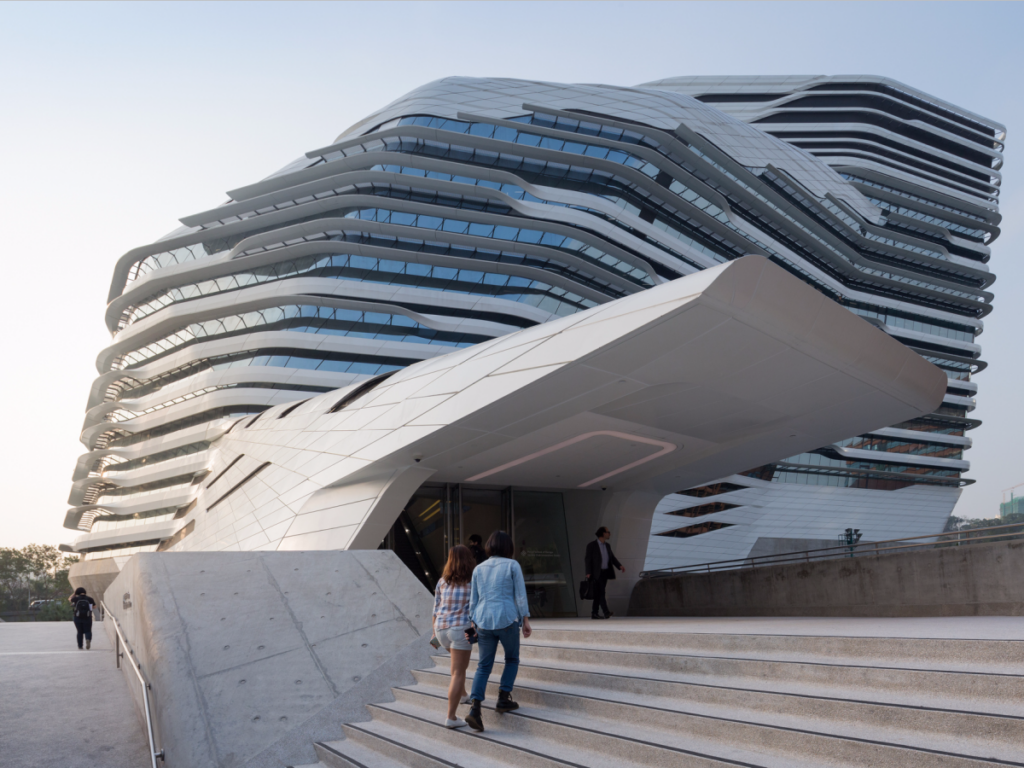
{"x": 146, "y": 687}
{"x": 847, "y": 550}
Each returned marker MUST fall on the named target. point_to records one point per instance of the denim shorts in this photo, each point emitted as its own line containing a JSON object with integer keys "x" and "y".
{"x": 454, "y": 638}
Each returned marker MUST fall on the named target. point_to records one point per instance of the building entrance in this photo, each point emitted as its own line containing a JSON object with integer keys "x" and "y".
{"x": 439, "y": 516}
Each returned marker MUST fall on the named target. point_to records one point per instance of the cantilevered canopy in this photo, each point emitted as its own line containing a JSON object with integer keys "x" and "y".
{"x": 693, "y": 380}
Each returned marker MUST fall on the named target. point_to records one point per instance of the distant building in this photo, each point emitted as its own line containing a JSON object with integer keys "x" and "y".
{"x": 1014, "y": 506}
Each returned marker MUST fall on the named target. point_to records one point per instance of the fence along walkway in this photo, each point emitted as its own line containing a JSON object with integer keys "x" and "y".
{"x": 930, "y": 541}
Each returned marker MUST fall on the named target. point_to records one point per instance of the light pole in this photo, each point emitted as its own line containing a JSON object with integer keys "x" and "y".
{"x": 850, "y": 538}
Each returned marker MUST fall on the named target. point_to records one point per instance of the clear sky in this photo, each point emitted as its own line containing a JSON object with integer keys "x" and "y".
{"x": 118, "y": 118}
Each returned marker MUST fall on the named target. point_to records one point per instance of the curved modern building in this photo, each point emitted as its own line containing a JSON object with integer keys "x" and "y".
{"x": 932, "y": 169}
{"x": 470, "y": 209}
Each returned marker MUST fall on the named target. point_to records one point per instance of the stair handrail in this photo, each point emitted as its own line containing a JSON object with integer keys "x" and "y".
{"x": 153, "y": 754}
{"x": 838, "y": 551}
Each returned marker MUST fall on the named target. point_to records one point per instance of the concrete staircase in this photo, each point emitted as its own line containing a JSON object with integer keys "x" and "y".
{"x": 605, "y": 696}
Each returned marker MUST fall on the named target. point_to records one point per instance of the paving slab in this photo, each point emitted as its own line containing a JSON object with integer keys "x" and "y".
{"x": 64, "y": 707}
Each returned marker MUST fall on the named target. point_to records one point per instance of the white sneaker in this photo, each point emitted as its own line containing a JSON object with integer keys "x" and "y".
{"x": 458, "y": 722}
{"x": 467, "y": 700}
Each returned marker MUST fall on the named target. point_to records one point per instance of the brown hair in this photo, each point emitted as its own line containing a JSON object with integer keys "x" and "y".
{"x": 460, "y": 565}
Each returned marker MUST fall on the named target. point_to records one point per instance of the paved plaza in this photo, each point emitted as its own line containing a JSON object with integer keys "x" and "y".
{"x": 64, "y": 707}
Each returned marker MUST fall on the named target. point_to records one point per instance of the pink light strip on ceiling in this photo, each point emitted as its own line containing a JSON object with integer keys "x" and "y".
{"x": 665, "y": 448}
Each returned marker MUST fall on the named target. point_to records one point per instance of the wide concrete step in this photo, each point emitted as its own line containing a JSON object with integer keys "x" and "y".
{"x": 359, "y": 750}
{"x": 797, "y": 734}
{"x": 601, "y": 697}
{"x": 757, "y": 692}
{"x": 520, "y": 739}
{"x": 989, "y": 692}
{"x": 410, "y": 731}
{"x": 1001, "y": 656}
{"x": 591, "y": 732}
{"x": 923, "y": 727}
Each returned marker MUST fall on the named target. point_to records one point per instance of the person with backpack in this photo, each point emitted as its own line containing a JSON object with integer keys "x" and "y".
{"x": 498, "y": 608}
{"x": 451, "y": 620}
{"x": 82, "y": 606}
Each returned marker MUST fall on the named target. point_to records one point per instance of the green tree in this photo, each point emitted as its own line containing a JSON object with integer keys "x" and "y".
{"x": 43, "y": 558}
{"x": 966, "y": 526}
{"x": 13, "y": 581}
{"x": 34, "y": 572}
{"x": 59, "y": 610}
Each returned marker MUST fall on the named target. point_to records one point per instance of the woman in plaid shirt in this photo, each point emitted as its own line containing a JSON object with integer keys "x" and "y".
{"x": 451, "y": 620}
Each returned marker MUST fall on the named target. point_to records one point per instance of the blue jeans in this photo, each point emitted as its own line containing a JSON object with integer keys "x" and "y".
{"x": 489, "y": 639}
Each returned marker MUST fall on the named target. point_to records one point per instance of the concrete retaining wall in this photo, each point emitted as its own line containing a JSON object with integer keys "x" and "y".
{"x": 254, "y": 655}
{"x": 972, "y": 580}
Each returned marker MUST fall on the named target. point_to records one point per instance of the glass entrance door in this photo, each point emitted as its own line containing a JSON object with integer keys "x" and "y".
{"x": 438, "y": 516}
{"x": 542, "y": 549}
{"x": 481, "y": 511}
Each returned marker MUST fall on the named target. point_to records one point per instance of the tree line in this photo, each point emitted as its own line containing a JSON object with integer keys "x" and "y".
{"x": 965, "y": 525}
{"x": 35, "y": 572}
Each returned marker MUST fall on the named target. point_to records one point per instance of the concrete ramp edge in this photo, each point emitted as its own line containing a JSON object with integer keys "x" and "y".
{"x": 253, "y": 656}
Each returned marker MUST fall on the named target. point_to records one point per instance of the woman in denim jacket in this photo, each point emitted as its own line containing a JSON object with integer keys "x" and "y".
{"x": 498, "y": 608}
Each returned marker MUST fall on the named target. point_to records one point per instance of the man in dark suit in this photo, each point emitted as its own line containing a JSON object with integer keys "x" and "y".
{"x": 600, "y": 566}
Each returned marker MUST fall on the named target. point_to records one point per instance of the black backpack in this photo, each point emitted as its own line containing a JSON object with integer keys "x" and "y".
{"x": 82, "y": 608}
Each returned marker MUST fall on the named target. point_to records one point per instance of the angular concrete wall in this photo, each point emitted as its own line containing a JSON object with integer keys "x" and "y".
{"x": 973, "y": 580}
{"x": 94, "y": 575}
{"x": 247, "y": 652}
